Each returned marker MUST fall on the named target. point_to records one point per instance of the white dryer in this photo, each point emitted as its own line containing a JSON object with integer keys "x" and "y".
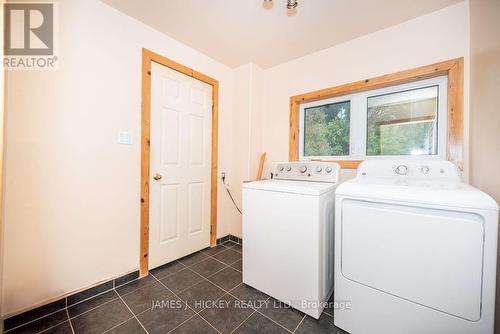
{"x": 288, "y": 227}
{"x": 415, "y": 251}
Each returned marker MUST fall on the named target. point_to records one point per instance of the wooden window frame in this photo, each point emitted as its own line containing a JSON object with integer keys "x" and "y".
{"x": 147, "y": 58}
{"x": 453, "y": 68}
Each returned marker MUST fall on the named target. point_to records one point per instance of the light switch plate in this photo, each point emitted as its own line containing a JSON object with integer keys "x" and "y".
{"x": 124, "y": 138}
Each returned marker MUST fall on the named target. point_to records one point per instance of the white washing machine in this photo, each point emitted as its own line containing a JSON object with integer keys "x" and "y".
{"x": 415, "y": 251}
{"x": 288, "y": 236}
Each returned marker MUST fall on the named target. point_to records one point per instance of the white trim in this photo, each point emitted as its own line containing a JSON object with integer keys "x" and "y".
{"x": 343, "y": 98}
{"x": 358, "y": 120}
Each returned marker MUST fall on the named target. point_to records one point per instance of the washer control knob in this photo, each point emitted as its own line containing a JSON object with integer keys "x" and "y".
{"x": 401, "y": 170}
{"x": 289, "y": 168}
{"x": 319, "y": 169}
{"x": 328, "y": 169}
{"x": 303, "y": 169}
{"x": 282, "y": 168}
{"x": 425, "y": 169}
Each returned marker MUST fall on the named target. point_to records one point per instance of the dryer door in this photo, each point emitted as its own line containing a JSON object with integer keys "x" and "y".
{"x": 430, "y": 257}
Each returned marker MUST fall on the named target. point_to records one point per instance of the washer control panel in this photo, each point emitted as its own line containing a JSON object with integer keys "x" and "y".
{"x": 307, "y": 171}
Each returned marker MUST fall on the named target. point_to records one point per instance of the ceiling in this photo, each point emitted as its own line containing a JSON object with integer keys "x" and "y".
{"x": 236, "y": 32}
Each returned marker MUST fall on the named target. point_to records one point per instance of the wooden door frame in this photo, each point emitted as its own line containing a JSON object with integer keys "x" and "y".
{"x": 147, "y": 58}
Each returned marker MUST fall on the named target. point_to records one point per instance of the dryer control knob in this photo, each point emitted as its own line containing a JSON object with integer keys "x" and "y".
{"x": 328, "y": 169}
{"x": 289, "y": 168}
{"x": 319, "y": 169}
{"x": 303, "y": 169}
{"x": 425, "y": 169}
{"x": 401, "y": 170}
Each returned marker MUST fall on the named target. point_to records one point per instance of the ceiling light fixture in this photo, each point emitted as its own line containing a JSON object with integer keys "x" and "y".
{"x": 292, "y": 4}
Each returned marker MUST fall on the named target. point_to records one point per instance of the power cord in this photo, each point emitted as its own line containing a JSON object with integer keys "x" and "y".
{"x": 229, "y": 192}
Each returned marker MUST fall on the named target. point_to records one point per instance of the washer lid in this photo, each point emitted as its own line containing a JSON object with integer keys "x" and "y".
{"x": 292, "y": 187}
{"x": 433, "y": 192}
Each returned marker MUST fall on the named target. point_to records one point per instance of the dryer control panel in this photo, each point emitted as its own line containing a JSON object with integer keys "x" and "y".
{"x": 410, "y": 168}
{"x": 307, "y": 171}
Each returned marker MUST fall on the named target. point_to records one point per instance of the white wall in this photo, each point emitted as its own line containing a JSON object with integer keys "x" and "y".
{"x": 247, "y": 133}
{"x": 72, "y": 193}
{"x": 435, "y": 37}
{"x": 484, "y": 113}
{"x": 2, "y": 152}
{"x": 72, "y": 206}
{"x": 485, "y": 86}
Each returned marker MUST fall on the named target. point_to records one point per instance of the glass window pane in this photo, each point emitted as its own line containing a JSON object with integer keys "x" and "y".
{"x": 403, "y": 123}
{"x": 326, "y": 129}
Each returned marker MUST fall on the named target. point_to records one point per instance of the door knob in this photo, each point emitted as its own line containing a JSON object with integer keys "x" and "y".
{"x": 157, "y": 176}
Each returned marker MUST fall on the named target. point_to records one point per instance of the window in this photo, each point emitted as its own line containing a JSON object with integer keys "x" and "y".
{"x": 327, "y": 129}
{"x": 403, "y": 120}
{"x": 403, "y": 123}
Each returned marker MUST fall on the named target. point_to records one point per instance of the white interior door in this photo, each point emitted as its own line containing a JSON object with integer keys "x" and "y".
{"x": 181, "y": 122}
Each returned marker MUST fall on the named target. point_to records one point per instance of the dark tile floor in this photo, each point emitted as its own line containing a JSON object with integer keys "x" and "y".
{"x": 200, "y": 293}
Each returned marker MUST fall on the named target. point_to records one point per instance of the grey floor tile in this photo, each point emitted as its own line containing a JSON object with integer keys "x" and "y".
{"x": 227, "y": 314}
{"x": 91, "y": 292}
{"x": 324, "y": 325}
{"x": 134, "y": 285}
{"x": 222, "y": 240}
{"x": 91, "y": 303}
{"x": 258, "y": 324}
{"x": 330, "y": 306}
{"x": 160, "y": 311}
{"x": 201, "y": 295}
{"x": 214, "y": 250}
{"x": 142, "y": 299}
{"x": 195, "y": 325}
{"x": 238, "y": 265}
{"x": 131, "y": 326}
{"x": 167, "y": 269}
{"x": 227, "y": 278}
{"x": 182, "y": 280}
{"x": 229, "y": 256}
{"x": 207, "y": 267}
{"x": 102, "y": 318}
{"x": 34, "y": 314}
{"x": 42, "y": 323}
{"x": 126, "y": 278}
{"x": 229, "y": 244}
{"x": 64, "y": 328}
{"x": 283, "y": 314}
{"x": 163, "y": 319}
{"x": 251, "y": 296}
{"x": 237, "y": 248}
{"x": 191, "y": 259}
